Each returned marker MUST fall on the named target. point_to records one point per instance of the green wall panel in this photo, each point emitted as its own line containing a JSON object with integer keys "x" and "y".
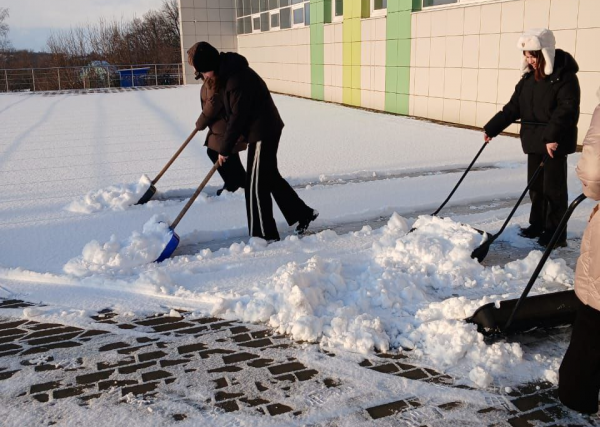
{"x": 317, "y": 47}
{"x": 398, "y": 34}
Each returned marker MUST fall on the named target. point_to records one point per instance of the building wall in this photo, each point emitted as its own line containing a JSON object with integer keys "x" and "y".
{"x": 282, "y": 58}
{"x": 372, "y": 65}
{"x": 465, "y": 64}
{"x": 456, "y": 63}
{"x": 206, "y": 20}
{"x": 334, "y": 61}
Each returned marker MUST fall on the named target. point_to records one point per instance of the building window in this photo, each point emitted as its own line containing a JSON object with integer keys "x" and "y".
{"x": 256, "y": 24}
{"x": 285, "y": 18}
{"x": 255, "y": 6}
{"x": 244, "y": 25}
{"x": 379, "y": 4}
{"x": 264, "y": 15}
{"x": 338, "y": 10}
{"x": 427, "y": 3}
{"x": 298, "y": 16}
{"x": 306, "y": 13}
{"x": 274, "y": 20}
{"x": 378, "y": 7}
{"x": 264, "y": 21}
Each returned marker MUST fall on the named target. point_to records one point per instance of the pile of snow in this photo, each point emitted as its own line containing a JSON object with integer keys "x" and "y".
{"x": 409, "y": 289}
{"x": 115, "y": 197}
{"x": 122, "y": 257}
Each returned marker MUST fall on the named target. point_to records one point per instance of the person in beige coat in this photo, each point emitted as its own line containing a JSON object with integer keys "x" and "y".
{"x": 579, "y": 374}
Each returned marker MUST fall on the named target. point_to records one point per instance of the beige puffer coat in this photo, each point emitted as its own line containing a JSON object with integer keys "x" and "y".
{"x": 587, "y": 274}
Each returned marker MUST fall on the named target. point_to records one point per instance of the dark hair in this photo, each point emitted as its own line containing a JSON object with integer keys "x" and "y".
{"x": 538, "y": 72}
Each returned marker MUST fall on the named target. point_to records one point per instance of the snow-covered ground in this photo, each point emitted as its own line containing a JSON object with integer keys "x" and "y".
{"x": 71, "y": 165}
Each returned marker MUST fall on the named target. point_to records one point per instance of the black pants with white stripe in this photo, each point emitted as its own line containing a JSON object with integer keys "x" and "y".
{"x": 263, "y": 180}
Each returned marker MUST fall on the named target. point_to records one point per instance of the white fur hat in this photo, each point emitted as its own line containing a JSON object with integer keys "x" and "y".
{"x": 538, "y": 39}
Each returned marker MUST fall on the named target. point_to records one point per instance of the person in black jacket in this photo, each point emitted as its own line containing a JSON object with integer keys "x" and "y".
{"x": 250, "y": 112}
{"x": 546, "y": 100}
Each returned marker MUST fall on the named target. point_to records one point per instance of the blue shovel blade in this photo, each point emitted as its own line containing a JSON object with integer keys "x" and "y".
{"x": 170, "y": 248}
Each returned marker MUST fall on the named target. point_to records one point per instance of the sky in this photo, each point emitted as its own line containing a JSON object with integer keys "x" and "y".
{"x": 32, "y": 21}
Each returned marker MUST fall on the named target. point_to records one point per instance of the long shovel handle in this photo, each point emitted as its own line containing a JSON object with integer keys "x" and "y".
{"x": 514, "y": 209}
{"x": 549, "y": 248}
{"x": 460, "y": 180}
{"x": 177, "y": 153}
{"x": 195, "y": 195}
{"x": 521, "y": 122}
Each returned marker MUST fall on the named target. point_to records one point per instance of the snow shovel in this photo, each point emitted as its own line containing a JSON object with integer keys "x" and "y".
{"x": 460, "y": 180}
{"x": 481, "y": 252}
{"x": 174, "y": 242}
{"x": 457, "y": 185}
{"x": 152, "y": 190}
{"x": 520, "y": 315}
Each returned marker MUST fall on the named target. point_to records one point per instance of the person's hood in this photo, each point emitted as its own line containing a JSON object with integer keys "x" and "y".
{"x": 538, "y": 39}
{"x": 231, "y": 63}
{"x": 564, "y": 63}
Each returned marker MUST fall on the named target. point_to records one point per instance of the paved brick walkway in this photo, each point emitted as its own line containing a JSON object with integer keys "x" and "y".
{"x": 209, "y": 367}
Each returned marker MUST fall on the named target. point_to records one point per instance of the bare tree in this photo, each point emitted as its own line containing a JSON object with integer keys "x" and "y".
{"x": 154, "y": 38}
{"x": 5, "y": 45}
{"x": 170, "y": 12}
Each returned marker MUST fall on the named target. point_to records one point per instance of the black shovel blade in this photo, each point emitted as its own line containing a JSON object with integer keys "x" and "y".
{"x": 540, "y": 311}
{"x": 481, "y": 252}
{"x": 150, "y": 192}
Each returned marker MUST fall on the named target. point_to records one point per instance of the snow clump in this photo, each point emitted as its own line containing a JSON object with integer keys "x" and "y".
{"x": 117, "y": 256}
{"x": 115, "y": 197}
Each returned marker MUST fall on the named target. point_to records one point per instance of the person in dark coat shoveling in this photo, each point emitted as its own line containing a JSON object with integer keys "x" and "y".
{"x": 546, "y": 99}
{"x": 232, "y": 173}
{"x": 250, "y": 112}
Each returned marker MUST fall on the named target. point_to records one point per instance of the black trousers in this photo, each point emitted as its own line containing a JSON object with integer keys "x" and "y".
{"x": 232, "y": 172}
{"x": 262, "y": 181}
{"x": 579, "y": 374}
{"x": 548, "y": 193}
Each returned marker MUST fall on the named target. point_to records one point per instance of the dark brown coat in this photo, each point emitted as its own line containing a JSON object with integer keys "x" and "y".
{"x": 212, "y": 117}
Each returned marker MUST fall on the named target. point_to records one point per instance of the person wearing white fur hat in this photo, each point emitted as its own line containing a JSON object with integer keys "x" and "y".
{"x": 546, "y": 100}
{"x": 579, "y": 374}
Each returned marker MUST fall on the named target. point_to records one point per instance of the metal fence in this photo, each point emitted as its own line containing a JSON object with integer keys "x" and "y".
{"x": 89, "y": 77}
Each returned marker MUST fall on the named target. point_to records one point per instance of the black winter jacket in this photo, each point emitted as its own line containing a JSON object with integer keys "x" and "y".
{"x": 249, "y": 109}
{"x": 553, "y": 102}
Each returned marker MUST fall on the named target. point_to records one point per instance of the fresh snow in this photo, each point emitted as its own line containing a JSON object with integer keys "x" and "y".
{"x": 115, "y": 197}
{"x": 74, "y": 239}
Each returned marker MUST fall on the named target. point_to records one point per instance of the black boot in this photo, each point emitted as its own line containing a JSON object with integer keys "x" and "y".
{"x": 305, "y": 222}
{"x": 220, "y": 190}
{"x": 531, "y": 232}
{"x": 546, "y": 236}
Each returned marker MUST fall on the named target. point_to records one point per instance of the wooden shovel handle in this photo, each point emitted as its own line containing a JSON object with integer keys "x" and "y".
{"x": 195, "y": 195}
{"x": 187, "y": 141}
